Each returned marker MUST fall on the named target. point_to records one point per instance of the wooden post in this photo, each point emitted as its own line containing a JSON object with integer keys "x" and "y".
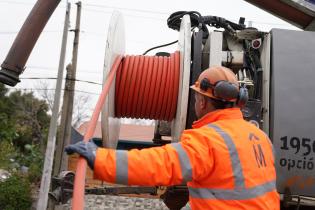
{"x": 61, "y": 161}
{"x": 49, "y": 156}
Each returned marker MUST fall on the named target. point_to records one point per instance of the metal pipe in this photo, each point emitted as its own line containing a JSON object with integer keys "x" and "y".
{"x": 25, "y": 41}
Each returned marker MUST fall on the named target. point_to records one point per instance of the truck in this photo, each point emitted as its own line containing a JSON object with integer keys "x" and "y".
{"x": 277, "y": 68}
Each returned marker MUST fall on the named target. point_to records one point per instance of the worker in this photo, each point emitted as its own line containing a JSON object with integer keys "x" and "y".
{"x": 226, "y": 162}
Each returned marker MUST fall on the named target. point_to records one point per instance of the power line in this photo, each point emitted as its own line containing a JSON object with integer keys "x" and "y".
{"x": 54, "y": 78}
{"x": 106, "y": 12}
{"x": 135, "y": 16}
{"x": 78, "y": 80}
{"x": 98, "y": 6}
{"x": 93, "y": 33}
{"x": 129, "y": 9}
{"x": 54, "y": 69}
{"x": 260, "y": 22}
{"x": 24, "y": 3}
{"x": 155, "y": 12}
{"x": 51, "y": 89}
{"x": 42, "y": 67}
{"x": 267, "y": 23}
{"x": 15, "y": 32}
{"x": 16, "y": 2}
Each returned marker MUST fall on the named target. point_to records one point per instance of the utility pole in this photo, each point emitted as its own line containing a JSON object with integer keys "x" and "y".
{"x": 61, "y": 161}
{"x": 250, "y": 24}
{"x": 49, "y": 156}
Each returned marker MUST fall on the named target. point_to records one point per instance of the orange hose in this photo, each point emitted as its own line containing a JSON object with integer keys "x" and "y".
{"x": 147, "y": 87}
{"x": 79, "y": 181}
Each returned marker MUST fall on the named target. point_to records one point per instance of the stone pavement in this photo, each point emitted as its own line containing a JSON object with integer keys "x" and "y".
{"x": 109, "y": 202}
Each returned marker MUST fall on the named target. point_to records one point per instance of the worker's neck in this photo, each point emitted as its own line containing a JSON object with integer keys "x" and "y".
{"x": 206, "y": 111}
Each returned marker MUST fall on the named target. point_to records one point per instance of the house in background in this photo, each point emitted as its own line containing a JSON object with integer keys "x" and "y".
{"x": 130, "y": 136}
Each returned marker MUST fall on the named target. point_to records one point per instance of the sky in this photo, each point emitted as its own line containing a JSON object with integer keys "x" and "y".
{"x": 145, "y": 27}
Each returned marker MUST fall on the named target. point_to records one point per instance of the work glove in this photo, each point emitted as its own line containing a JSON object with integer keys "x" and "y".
{"x": 86, "y": 150}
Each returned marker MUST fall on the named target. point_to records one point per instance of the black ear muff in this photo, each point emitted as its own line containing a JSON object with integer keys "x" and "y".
{"x": 226, "y": 91}
{"x": 243, "y": 97}
{"x": 205, "y": 84}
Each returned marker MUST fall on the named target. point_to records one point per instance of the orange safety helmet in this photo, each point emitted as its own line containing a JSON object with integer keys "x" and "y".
{"x": 218, "y": 82}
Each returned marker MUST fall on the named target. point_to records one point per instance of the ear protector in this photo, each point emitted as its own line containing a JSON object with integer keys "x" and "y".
{"x": 226, "y": 91}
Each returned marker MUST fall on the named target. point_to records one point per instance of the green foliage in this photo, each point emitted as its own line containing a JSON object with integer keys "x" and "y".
{"x": 33, "y": 159}
{"x": 35, "y": 173}
{"x": 7, "y": 131}
{"x": 24, "y": 124}
{"x": 7, "y": 152}
{"x": 23, "y": 118}
{"x": 11, "y": 159}
{"x": 30, "y": 117}
{"x": 15, "y": 193}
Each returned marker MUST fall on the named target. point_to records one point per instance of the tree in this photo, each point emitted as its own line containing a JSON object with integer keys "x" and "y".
{"x": 31, "y": 121}
{"x": 80, "y": 105}
{"x": 23, "y": 118}
{"x": 7, "y": 131}
{"x": 24, "y": 123}
{"x": 46, "y": 93}
{"x": 80, "y": 110}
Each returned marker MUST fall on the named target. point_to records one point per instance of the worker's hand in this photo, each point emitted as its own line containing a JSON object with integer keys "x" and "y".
{"x": 86, "y": 150}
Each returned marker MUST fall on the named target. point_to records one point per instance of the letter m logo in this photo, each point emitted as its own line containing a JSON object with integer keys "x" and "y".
{"x": 259, "y": 155}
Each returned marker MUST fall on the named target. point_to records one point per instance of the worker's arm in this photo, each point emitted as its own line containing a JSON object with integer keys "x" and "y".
{"x": 171, "y": 164}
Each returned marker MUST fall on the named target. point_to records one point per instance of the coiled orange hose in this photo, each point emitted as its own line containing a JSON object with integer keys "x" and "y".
{"x": 146, "y": 87}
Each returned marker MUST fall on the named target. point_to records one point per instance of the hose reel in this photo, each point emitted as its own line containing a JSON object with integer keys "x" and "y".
{"x": 145, "y": 87}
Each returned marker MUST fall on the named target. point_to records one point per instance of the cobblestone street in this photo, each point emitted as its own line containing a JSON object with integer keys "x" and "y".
{"x": 106, "y": 202}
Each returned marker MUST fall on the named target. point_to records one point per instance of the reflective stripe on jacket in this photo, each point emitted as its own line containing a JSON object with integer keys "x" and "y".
{"x": 226, "y": 162}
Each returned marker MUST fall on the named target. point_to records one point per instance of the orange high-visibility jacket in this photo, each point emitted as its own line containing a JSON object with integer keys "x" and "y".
{"x": 226, "y": 162}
